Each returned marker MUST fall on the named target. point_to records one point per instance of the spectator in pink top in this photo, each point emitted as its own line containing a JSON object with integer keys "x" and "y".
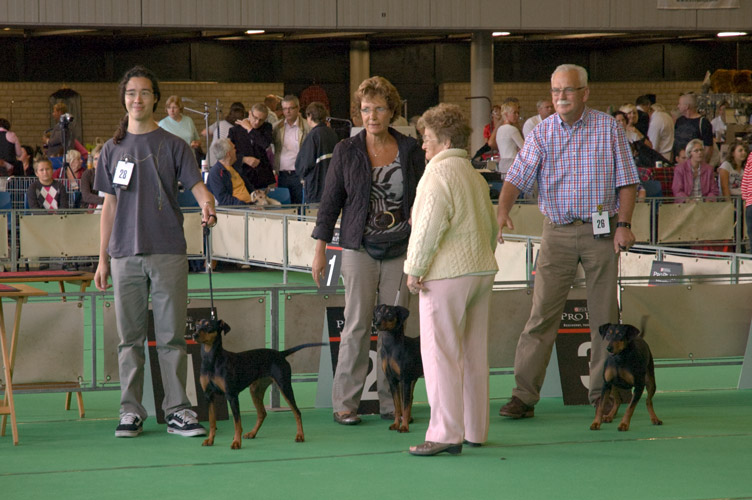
{"x": 694, "y": 178}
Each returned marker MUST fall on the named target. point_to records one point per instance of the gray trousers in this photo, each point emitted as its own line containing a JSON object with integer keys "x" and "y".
{"x": 562, "y": 249}
{"x": 166, "y": 278}
{"x": 366, "y": 281}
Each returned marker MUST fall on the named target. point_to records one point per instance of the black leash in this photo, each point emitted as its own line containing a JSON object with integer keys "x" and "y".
{"x": 207, "y": 247}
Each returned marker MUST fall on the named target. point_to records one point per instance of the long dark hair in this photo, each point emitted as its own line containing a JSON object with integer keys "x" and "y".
{"x": 134, "y": 72}
{"x": 237, "y": 112}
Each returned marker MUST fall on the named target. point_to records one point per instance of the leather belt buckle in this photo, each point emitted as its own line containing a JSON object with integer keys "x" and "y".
{"x": 384, "y": 220}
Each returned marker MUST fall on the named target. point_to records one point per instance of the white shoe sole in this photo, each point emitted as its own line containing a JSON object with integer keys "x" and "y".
{"x": 128, "y": 434}
{"x": 191, "y": 433}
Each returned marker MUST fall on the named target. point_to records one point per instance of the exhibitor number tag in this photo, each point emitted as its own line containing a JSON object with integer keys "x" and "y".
{"x": 601, "y": 225}
{"x": 123, "y": 173}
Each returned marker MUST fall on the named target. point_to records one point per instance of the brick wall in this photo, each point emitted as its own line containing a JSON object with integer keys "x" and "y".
{"x": 102, "y": 111}
{"x": 101, "y": 108}
{"x": 602, "y": 95}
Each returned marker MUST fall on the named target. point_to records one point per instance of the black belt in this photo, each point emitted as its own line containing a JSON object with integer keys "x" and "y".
{"x": 386, "y": 219}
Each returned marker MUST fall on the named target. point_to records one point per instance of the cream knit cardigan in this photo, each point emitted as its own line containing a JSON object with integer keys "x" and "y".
{"x": 454, "y": 224}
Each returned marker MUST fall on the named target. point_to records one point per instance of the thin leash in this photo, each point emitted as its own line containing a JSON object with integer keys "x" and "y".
{"x": 396, "y": 300}
{"x": 399, "y": 289}
{"x": 207, "y": 246}
{"x": 619, "y": 289}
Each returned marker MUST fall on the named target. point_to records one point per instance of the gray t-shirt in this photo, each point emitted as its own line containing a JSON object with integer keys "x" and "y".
{"x": 148, "y": 219}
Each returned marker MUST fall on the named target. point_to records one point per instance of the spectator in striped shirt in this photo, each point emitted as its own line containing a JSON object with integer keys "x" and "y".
{"x": 581, "y": 160}
{"x": 747, "y": 197}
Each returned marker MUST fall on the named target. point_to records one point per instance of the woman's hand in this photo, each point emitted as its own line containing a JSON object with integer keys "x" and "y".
{"x": 251, "y": 161}
{"x": 245, "y": 123}
{"x": 415, "y": 284}
{"x": 318, "y": 268}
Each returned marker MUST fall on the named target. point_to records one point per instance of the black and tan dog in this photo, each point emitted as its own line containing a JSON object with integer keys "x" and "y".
{"x": 229, "y": 373}
{"x": 400, "y": 358}
{"x": 629, "y": 364}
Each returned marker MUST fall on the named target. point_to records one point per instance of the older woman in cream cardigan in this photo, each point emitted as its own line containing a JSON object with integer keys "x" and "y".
{"x": 451, "y": 263}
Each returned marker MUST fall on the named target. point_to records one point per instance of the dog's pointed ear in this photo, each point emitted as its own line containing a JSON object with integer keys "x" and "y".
{"x": 632, "y": 332}
{"x": 223, "y": 327}
{"x": 403, "y": 313}
{"x": 604, "y": 329}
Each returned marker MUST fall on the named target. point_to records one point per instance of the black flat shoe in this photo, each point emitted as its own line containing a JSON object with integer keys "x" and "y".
{"x": 431, "y": 448}
{"x": 350, "y": 418}
{"x": 471, "y": 444}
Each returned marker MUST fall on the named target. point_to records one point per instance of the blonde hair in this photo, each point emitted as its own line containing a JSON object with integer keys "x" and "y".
{"x": 72, "y": 154}
{"x": 173, "y": 99}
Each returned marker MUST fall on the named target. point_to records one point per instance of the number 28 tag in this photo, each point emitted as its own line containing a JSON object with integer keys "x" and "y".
{"x": 601, "y": 226}
{"x": 123, "y": 173}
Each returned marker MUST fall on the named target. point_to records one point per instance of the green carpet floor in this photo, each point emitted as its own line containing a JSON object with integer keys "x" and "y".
{"x": 701, "y": 452}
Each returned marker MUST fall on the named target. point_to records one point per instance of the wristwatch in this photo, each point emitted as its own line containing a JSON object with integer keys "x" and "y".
{"x": 624, "y": 224}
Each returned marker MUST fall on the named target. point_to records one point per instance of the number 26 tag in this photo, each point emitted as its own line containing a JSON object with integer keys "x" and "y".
{"x": 123, "y": 173}
{"x": 601, "y": 226}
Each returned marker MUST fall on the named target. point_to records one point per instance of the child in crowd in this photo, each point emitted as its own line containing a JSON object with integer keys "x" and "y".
{"x": 45, "y": 192}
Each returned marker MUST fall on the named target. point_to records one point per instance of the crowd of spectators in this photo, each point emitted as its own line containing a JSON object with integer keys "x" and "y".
{"x": 277, "y": 144}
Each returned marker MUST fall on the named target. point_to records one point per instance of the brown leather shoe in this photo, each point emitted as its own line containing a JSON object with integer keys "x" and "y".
{"x": 515, "y": 409}
{"x": 348, "y": 418}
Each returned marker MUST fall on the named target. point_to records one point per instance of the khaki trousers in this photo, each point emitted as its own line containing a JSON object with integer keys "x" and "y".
{"x": 562, "y": 249}
{"x": 367, "y": 281}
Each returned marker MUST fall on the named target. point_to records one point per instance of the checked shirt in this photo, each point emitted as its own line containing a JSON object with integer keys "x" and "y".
{"x": 578, "y": 168}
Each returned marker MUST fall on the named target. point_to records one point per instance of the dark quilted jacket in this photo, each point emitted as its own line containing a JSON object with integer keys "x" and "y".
{"x": 348, "y": 187}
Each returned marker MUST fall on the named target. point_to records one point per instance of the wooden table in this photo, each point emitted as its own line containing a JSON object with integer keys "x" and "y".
{"x": 19, "y": 293}
{"x": 81, "y": 278}
{"x": 84, "y": 279}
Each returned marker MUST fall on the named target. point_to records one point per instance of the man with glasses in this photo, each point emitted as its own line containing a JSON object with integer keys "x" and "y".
{"x": 692, "y": 125}
{"x": 288, "y": 136}
{"x": 143, "y": 246}
{"x": 587, "y": 181}
{"x": 252, "y": 138}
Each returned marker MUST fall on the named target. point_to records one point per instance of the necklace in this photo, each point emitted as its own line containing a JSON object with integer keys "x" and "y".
{"x": 374, "y": 152}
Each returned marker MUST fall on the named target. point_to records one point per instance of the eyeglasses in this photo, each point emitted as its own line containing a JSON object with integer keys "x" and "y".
{"x": 565, "y": 90}
{"x": 367, "y": 111}
{"x": 145, "y": 94}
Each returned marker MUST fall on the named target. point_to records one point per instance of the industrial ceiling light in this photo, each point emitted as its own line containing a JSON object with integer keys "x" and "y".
{"x": 254, "y": 32}
{"x": 731, "y": 33}
{"x": 500, "y": 33}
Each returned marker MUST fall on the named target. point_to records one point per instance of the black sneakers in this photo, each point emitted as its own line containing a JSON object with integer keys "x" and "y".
{"x": 185, "y": 423}
{"x": 130, "y": 426}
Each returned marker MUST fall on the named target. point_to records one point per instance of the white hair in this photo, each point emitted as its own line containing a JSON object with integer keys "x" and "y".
{"x": 581, "y": 72}
{"x": 690, "y": 98}
{"x": 658, "y": 107}
{"x": 220, "y": 148}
